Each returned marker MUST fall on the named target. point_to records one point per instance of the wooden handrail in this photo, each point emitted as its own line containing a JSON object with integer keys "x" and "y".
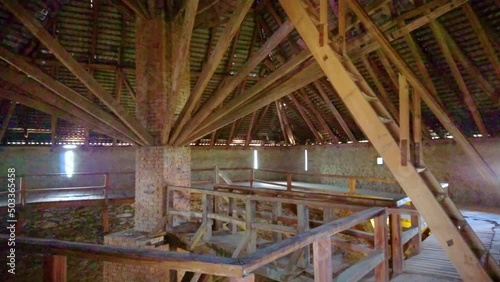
{"x": 75, "y": 173}
{"x": 361, "y": 178}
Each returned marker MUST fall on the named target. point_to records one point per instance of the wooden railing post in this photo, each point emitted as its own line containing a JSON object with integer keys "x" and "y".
{"x": 322, "y": 260}
{"x": 277, "y": 211}
{"x": 417, "y": 240}
{"x": 250, "y": 209}
{"x": 396, "y": 244}
{"x": 352, "y": 186}
{"x": 104, "y": 212}
{"x": 22, "y": 191}
{"x": 380, "y": 244}
{"x": 54, "y": 268}
{"x": 207, "y": 203}
{"x": 233, "y": 213}
{"x": 216, "y": 175}
{"x": 288, "y": 181}
{"x": 252, "y": 176}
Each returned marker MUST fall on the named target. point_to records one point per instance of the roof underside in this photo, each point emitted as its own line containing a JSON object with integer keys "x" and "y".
{"x": 101, "y": 35}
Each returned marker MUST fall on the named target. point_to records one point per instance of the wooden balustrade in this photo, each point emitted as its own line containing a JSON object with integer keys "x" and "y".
{"x": 238, "y": 269}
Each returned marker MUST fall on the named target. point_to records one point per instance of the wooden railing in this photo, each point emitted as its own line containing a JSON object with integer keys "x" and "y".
{"x": 239, "y": 269}
{"x": 22, "y": 190}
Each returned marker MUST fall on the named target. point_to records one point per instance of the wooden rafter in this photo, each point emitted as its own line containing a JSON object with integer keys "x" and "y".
{"x": 122, "y": 8}
{"x": 282, "y": 124}
{"x": 286, "y": 123}
{"x": 260, "y": 119}
{"x": 319, "y": 87}
{"x": 303, "y": 114}
{"x": 402, "y": 30}
{"x": 180, "y": 57}
{"x": 63, "y": 91}
{"x": 211, "y": 65}
{"x": 248, "y": 138}
{"x": 483, "y": 37}
{"x": 467, "y": 96}
{"x": 27, "y": 19}
{"x": 318, "y": 116}
{"x": 232, "y": 83}
{"x": 447, "y": 122}
{"x": 132, "y": 5}
{"x": 250, "y": 93}
{"x": 300, "y": 79}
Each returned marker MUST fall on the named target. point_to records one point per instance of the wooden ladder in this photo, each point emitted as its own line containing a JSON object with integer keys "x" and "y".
{"x": 470, "y": 257}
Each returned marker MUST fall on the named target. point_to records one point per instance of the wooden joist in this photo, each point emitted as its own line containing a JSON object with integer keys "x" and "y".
{"x": 27, "y": 19}
{"x": 415, "y": 82}
{"x": 211, "y": 65}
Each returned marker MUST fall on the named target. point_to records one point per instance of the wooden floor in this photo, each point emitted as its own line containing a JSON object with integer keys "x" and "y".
{"x": 433, "y": 262}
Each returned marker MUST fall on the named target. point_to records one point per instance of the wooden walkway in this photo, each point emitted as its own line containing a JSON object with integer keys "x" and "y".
{"x": 432, "y": 261}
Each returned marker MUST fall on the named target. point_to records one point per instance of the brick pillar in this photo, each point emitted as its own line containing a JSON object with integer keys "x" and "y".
{"x": 157, "y": 167}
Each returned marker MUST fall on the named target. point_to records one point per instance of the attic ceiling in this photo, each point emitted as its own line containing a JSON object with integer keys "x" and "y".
{"x": 100, "y": 35}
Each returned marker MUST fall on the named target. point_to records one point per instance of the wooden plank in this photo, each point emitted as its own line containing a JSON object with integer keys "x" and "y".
{"x": 415, "y": 82}
{"x": 54, "y": 268}
{"x": 224, "y": 91}
{"x": 27, "y": 19}
{"x": 134, "y": 256}
{"x": 211, "y": 65}
{"x": 438, "y": 32}
{"x": 6, "y": 120}
{"x": 322, "y": 260}
{"x": 358, "y": 270}
{"x": 61, "y": 90}
{"x": 404, "y": 120}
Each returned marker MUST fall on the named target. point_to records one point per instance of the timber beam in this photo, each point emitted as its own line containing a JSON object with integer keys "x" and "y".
{"x": 27, "y": 19}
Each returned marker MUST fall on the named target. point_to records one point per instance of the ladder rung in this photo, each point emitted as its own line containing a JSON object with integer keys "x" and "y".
{"x": 369, "y": 98}
{"x": 385, "y": 120}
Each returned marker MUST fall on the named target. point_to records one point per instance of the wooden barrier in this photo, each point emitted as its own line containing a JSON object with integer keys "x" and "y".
{"x": 238, "y": 269}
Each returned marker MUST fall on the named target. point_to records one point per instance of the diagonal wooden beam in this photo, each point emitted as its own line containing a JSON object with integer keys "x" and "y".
{"x": 467, "y": 97}
{"x": 319, "y": 87}
{"x": 63, "y": 91}
{"x": 250, "y": 93}
{"x": 132, "y": 5}
{"x": 318, "y": 116}
{"x": 402, "y": 30}
{"x": 122, "y": 8}
{"x": 282, "y": 124}
{"x": 300, "y": 79}
{"x": 249, "y": 130}
{"x": 211, "y": 65}
{"x": 260, "y": 119}
{"x": 445, "y": 119}
{"x": 27, "y": 19}
{"x": 128, "y": 85}
{"x": 180, "y": 58}
{"x": 303, "y": 114}
{"x": 233, "y": 82}
{"x": 485, "y": 40}
{"x": 6, "y": 120}
{"x": 286, "y": 123}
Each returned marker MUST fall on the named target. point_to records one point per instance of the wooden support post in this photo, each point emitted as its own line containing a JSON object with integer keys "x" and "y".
{"x": 54, "y": 268}
{"x": 328, "y": 215}
{"x": 105, "y": 217}
{"x": 207, "y": 208}
{"x": 250, "y": 208}
{"x": 216, "y": 175}
{"x": 417, "y": 240}
{"x": 233, "y": 213}
{"x": 247, "y": 278}
{"x": 53, "y": 128}
{"x": 417, "y": 130}
{"x": 381, "y": 270}
{"x": 252, "y": 176}
{"x": 404, "y": 120}
{"x": 288, "y": 181}
{"x": 322, "y": 251}
{"x": 302, "y": 226}
{"x": 352, "y": 186}
{"x": 277, "y": 212}
{"x": 396, "y": 244}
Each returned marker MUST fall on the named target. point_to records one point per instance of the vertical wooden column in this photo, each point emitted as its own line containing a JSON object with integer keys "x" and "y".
{"x": 380, "y": 241}
{"x": 417, "y": 240}
{"x": 53, "y": 126}
{"x": 206, "y": 201}
{"x": 404, "y": 119}
{"x": 105, "y": 217}
{"x": 250, "y": 207}
{"x": 302, "y": 226}
{"x": 417, "y": 130}
{"x": 217, "y": 203}
{"x": 233, "y": 213}
{"x": 396, "y": 244}
{"x": 54, "y": 268}
{"x": 252, "y": 176}
{"x": 288, "y": 181}
{"x": 322, "y": 260}
{"x": 277, "y": 211}
{"x": 352, "y": 186}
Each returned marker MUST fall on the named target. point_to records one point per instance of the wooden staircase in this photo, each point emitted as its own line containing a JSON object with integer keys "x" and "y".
{"x": 458, "y": 240}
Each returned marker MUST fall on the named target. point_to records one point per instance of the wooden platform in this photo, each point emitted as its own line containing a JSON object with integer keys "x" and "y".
{"x": 432, "y": 260}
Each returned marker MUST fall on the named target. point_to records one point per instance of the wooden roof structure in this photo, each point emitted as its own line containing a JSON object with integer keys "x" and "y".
{"x": 451, "y": 44}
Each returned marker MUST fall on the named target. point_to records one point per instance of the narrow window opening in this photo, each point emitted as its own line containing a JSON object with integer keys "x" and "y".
{"x": 255, "y": 160}
{"x": 305, "y": 160}
{"x": 380, "y": 161}
{"x": 69, "y": 163}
